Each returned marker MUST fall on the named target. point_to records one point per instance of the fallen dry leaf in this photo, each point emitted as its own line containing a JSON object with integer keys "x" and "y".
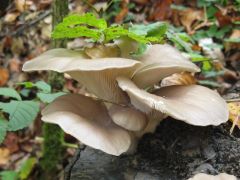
{"x": 20, "y": 5}
{"x": 190, "y": 17}
{"x": 234, "y": 114}
{"x": 4, "y": 75}
{"x": 17, "y": 46}
{"x": 124, "y": 11}
{"x": 233, "y": 45}
{"x": 223, "y": 19}
{"x": 142, "y": 2}
{"x": 4, "y": 156}
{"x": 162, "y": 10}
{"x": 184, "y": 78}
{"x": 11, "y": 17}
{"x": 11, "y": 142}
{"x": 14, "y": 65}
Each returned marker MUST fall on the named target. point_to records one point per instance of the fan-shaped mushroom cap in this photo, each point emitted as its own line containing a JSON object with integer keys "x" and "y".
{"x": 128, "y": 118}
{"x": 98, "y": 75}
{"x": 89, "y": 122}
{"x": 160, "y": 61}
{"x": 192, "y": 104}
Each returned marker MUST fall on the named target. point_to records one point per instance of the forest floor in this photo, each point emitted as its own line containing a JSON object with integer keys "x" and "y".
{"x": 179, "y": 150}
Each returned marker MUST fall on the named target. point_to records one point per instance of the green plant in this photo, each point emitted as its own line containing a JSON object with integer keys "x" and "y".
{"x": 17, "y": 113}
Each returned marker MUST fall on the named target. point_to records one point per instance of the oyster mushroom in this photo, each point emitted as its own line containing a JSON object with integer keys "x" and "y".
{"x": 193, "y": 104}
{"x": 87, "y": 120}
{"x": 128, "y": 117}
{"x": 160, "y": 61}
{"x": 121, "y": 82}
{"x": 97, "y": 75}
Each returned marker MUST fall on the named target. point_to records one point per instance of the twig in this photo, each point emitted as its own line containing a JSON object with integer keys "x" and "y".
{"x": 27, "y": 25}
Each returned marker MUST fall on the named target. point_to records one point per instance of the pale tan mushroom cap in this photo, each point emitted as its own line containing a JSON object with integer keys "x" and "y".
{"x": 222, "y": 176}
{"x": 128, "y": 118}
{"x": 89, "y": 122}
{"x": 98, "y": 75}
{"x": 196, "y": 105}
{"x": 160, "y": 61}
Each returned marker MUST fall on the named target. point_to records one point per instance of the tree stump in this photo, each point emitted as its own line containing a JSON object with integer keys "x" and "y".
{"x": 175, "y": 151}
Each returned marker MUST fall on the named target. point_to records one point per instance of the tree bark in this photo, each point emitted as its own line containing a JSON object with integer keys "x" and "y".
{"x": 175, "y": 151}
{"x": 53, "y": 136}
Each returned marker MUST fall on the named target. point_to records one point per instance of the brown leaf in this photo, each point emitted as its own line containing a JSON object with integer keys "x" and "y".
{"x": 4, "y": 75}
{"x": 235, "y": 35}
{"x": 4, "y": 156}
{"x": 20, "y": 5}
{"x": 17, "y": 46}
{"x": 190, "y": 17}
{"x": 184, "y": 78}
{"x": 11, "y": 142}
{"x": 11, "y": 17}
{"x": 142, "y": 2}
{"x": 14, "y": 65}
{"x": 162, "y": 10}
{"x": 124, "y": 11}
{"x": 222, "y": 19}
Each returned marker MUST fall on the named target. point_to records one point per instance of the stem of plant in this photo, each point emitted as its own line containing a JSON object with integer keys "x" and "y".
{"x": 53, "y": 147}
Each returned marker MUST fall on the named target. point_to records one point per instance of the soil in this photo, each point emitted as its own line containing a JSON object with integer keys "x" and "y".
{"x": 175, "y": 151}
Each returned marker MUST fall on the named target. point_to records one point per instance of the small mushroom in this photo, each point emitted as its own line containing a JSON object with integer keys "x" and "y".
{"x": 88, "y": 121}
{"x": 128, "y": 118}
{"x": 160, "y": 61}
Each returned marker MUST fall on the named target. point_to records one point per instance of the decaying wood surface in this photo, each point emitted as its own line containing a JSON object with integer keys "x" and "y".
{"x": 175, "y": 151}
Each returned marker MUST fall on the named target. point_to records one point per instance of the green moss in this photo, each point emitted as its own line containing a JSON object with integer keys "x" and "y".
{"x": 53, "y": 148}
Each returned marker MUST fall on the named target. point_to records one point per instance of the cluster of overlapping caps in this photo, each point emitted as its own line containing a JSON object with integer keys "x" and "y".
{"x": 122, "y": 107}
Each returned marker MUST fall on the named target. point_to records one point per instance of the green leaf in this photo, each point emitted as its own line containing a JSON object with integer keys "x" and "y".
{"x": 114, "y": 32}
{"x": 43, "y": 86}
{"x": 27, "y": 84}
{"x": 141, "y": 49}
{"x": 174, "y": 37}
{"x": 27, "y": 167}
{"x": 48, "y": 98}
{"x": 233, "y": 40}
{"x": 3, "y": 129}
{"x": 73, "y": 26}
{"x": 8, "y": 175}
{"x": 209, "y": 83}
{"x": 88, "y": 19}
{"x": 148, "y": 33}
{"x": 197, "y": 57}
{"x": 10, "y": 93}
{"x": 206, "y": 66}
{"x": 21, "y": 113}
{"x": 62, "y": 32}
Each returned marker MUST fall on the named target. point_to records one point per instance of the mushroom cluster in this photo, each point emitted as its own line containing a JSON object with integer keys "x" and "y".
{"x": 124, "y": 104}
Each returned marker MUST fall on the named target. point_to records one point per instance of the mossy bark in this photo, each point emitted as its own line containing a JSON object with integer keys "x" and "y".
{"x": 53, "y": 136}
